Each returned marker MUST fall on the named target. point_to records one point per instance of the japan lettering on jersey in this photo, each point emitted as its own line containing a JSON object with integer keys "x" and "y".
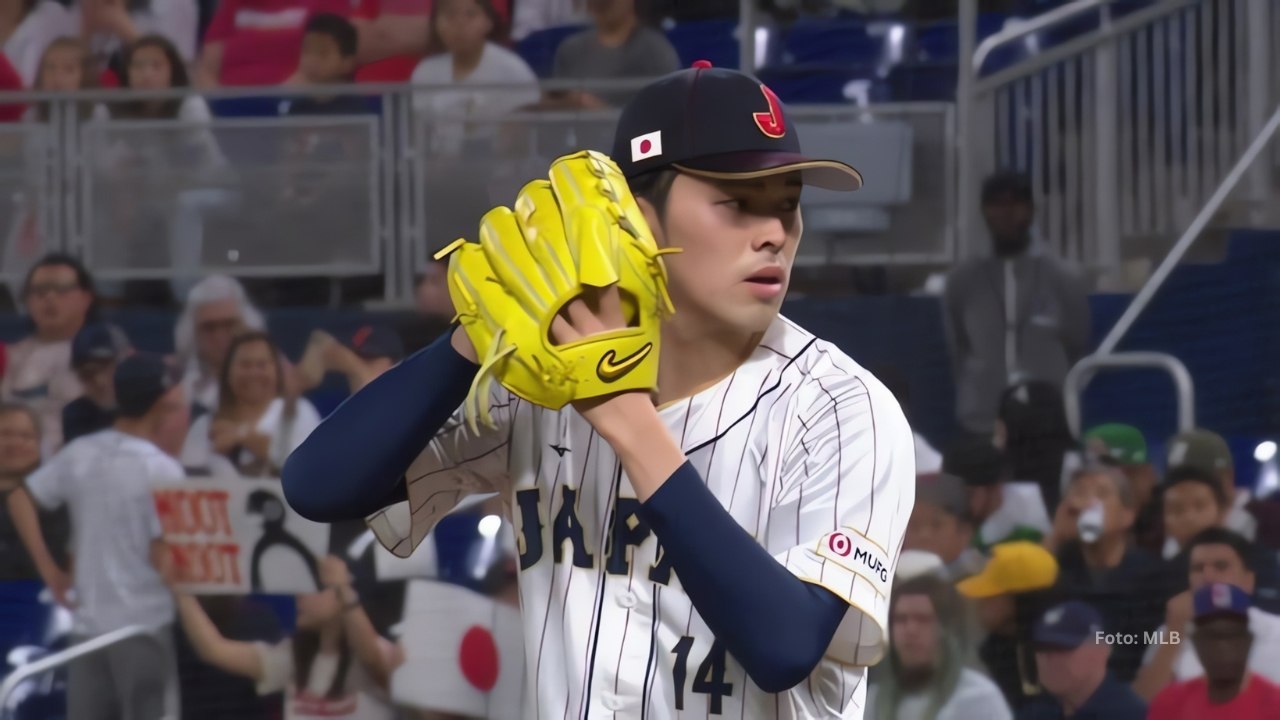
{"x": 807, "y": 451}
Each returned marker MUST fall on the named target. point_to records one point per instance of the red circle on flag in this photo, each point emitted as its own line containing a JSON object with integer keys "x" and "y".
{"x": 478, "y": 658}
{"x": 645, "y": 147}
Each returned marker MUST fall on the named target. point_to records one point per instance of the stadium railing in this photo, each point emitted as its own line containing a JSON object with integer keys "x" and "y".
{"x": 257, "y": 193}
{"x": 1126, "y": 123}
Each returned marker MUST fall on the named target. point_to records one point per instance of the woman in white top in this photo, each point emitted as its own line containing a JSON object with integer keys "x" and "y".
{"x": 925, "y": 677}
{"x": 255, "y": 426}
{"x": 335, "y": 666}
{"x": 466, "y": 53}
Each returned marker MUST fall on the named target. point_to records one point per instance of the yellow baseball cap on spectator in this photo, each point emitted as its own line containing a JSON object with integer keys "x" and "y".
{"x": 1015, "y": 567}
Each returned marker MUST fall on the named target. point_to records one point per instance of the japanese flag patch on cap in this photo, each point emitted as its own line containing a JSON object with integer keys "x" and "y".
{"x": 646, "y": 146}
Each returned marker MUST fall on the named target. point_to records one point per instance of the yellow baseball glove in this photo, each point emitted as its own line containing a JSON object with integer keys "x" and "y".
{"x": 581, "y": 229}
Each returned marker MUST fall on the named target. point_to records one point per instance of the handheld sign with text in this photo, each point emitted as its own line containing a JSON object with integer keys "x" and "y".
{"x": 237, "y": 536}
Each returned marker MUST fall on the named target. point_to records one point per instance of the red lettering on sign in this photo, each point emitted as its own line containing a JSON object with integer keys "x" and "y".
{"x": 193, "y": 512}
{"x": 206, "y": 563}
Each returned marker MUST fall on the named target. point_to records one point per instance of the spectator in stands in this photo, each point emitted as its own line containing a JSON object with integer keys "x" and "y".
{"x": 926, "y": 675}
{"x": 534, "y": 15}
{"x": 1031, "y": 428}
{"x": 1012, "y": 591}
{"x": 335, "y": 665}
{"x": 1099, "y": 563}
{"x": 466, "y": 52}
{"x": 1208, "y": 452}
{"x": 617, "y": 47}
{"x": 361, "y": 357}
{"x": 1002, "y": 510}
{"x": 257, "y": 424}
{"x": 1223, "y": 637}
{"x": 19, "y": 457}
{"x": 1217, "y": 556}
{"x": 94, "y": 353}
{"x": 258, "y": 42}
{"x": 67, "y": 66}
{"x": 1192, "y": 501}
{"x": 217, "y": 310}
{"x": 59, "y": 296}
{"x": 328, "y": 57}
{"x": 1072, "y": 662}
{"x": 27, "y": 28}
{"x": 1018, "y": 315}
{"x": 106, "y": 480}
{"x": 153, "y": 63}
{"x": 113, "y": 25}
{"x": 1125, "y": 447}
{"x": 941, "y": 524}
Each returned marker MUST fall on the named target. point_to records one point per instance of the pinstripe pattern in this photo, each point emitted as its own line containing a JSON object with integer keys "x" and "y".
{"x": 806, "y": 450}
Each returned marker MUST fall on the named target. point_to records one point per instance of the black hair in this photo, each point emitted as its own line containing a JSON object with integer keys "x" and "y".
{"x": 1007, "y": 184}
{"x": 976, "y": 461}
{"x": 60, "y": 259}
{"x": 1189, "y": 473}
{"x": 338, "y": 28}
{"x": 497, "y": 26}
{"x": 1037, "y": 436}
{"x": 655, "y": 187}
{"x": 306, "y": 646}
{"x": 168, "y": 108}
{"x": 1223, "y": 536}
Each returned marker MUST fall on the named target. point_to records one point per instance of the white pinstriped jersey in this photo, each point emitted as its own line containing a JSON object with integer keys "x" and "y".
{"x": 807, "y": 451}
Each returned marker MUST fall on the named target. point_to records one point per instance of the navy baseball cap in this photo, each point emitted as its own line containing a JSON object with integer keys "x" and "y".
{"x": 376, "y": 341}
{"x": 1067, "y": 626}
{"x": 140, "y": 381}
{"x": 717, "y": 123}
{"x": 1217, "y": 599}
{"x": 99, "y": 342}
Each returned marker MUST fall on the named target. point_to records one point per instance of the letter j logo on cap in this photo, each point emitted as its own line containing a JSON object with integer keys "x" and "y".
{"x": 646, "y": 146}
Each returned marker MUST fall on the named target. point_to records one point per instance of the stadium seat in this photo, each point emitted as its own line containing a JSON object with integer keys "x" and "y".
{"x": 824, "y": 84}
{"x": 847, "y": 41}
{"x": 940, "y": 41}
{"x": 713, "y": 40}
{"x": 539, "y": 48}
{"x": 923, "y": 82}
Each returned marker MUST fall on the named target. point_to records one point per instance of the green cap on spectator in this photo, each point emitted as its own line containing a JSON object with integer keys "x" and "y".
{"x": 1121, "y": 443}
{"x": 1201, "y": 449}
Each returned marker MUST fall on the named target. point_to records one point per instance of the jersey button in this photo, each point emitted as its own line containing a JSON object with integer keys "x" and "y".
{"x": 627, "y": 600}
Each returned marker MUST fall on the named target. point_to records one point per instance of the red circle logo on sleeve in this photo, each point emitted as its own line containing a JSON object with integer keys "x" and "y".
{"x": 478, "y": 658}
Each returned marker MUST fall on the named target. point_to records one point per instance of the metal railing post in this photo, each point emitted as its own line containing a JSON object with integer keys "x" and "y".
{"x": 1074, "y": 384}
{"x": 967, "y": 131}
{"x": 64, "y": 657}
{"x": 1106, "y": 158}
{"x": 747, "y": 37}
{"x": 1258, "y": 93}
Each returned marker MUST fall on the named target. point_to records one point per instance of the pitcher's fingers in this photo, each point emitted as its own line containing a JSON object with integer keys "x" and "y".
{"x": 583, "y": 319}
{"x": 562, "y": 332}
{"x": 543, "y": 228}
{"x": 505, "y": 249}
{"x": 610, "y": 304}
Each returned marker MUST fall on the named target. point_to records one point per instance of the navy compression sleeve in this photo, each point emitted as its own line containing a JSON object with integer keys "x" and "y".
{"x": 775, "y": 625}
{"x": 353, "y": 464}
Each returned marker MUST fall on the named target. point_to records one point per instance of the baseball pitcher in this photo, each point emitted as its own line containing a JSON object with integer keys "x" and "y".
{"x": 709, "y": 501}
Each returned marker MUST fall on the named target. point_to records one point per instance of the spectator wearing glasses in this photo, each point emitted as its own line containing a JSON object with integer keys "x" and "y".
{"x": 106, "y": 481}
{"x": 217, "y": 310}
{"x": 1072, "y": 661}
{"x": 59, "y": 298}
{"x": 1222, "y": 639}
{"x": 94, "y": 353}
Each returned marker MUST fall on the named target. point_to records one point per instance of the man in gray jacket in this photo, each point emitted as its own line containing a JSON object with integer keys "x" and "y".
{"x": 1017, "y": 315}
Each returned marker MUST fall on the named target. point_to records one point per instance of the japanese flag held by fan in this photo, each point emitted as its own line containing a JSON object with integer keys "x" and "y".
{"x": 464, "y": 653}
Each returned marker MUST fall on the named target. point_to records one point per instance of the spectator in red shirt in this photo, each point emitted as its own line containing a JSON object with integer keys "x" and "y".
{"x": 1222, "y": 640}
{"x": 258, "y": 42}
